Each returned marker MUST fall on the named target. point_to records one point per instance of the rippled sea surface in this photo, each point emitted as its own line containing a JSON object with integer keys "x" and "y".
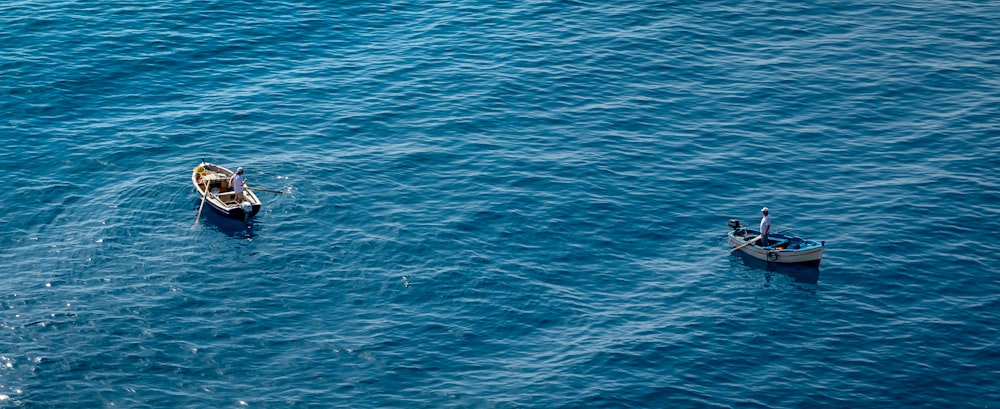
{"x": 499, "y": 204}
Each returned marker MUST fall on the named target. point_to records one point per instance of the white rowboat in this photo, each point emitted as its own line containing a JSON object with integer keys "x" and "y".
{"x": 780, "y": 248}
{"x": 212, "y": 183}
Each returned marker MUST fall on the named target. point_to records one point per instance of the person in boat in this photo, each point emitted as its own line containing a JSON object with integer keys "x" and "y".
{"x": 238, "y": 182}
{"x": 765, "y": 227}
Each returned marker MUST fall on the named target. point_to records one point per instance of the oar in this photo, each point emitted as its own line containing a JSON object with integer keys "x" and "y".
{"x": 203, "y": 197}
{"x": 753, "y": 241}
{"x": 267, "y": 190}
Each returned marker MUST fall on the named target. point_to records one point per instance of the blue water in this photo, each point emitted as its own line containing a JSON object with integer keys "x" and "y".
{"x": 499, "y": 204}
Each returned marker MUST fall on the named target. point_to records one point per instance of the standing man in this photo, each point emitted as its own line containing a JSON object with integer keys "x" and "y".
{"x": 237, "y": 181}
{"x": 765, "y": 227}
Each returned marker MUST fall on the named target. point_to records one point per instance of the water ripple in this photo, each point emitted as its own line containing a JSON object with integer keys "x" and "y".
{"x": 498, "y": 205}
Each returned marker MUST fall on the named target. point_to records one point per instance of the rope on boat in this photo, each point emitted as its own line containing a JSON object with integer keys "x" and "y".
{"x": 772, "y": 255}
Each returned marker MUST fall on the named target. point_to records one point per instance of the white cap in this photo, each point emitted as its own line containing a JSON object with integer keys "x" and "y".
{"x": 239, "y": 169}
{"x": 763, "y": 209}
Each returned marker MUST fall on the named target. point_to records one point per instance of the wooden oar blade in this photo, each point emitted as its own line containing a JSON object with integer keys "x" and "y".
{"x": 267, "y": 190}
{"x": 754, "y": 240}
{"x": 198, "y": 217}
{"x": 745, "y": 244}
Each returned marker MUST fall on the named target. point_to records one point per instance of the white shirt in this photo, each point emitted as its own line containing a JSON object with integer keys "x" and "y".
{"x": 237, "y": 182}
{"x": 765, "y": 222}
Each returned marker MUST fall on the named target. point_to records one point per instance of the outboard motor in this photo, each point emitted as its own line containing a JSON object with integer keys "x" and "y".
{"x": 734, "y": 223}
{"x": 247, "y": 208}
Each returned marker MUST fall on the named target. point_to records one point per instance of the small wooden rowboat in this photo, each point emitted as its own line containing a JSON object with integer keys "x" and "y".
{"x": 780, "y": 248}
{"x": 213, "y": 180}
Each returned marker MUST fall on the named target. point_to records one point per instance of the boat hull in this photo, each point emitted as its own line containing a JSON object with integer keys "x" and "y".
{"x": 212, "y": 182}
{"x": 781, "y": 248}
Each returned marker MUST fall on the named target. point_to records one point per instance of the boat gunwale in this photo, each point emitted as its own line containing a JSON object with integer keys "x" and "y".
{"x": 215, "y": 200}
{"x": 811, "y": 254}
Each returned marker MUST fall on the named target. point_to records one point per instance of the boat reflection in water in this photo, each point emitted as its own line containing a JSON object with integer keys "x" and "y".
{"x": 229, "y": 226}
{"x": 800, "y": 273}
